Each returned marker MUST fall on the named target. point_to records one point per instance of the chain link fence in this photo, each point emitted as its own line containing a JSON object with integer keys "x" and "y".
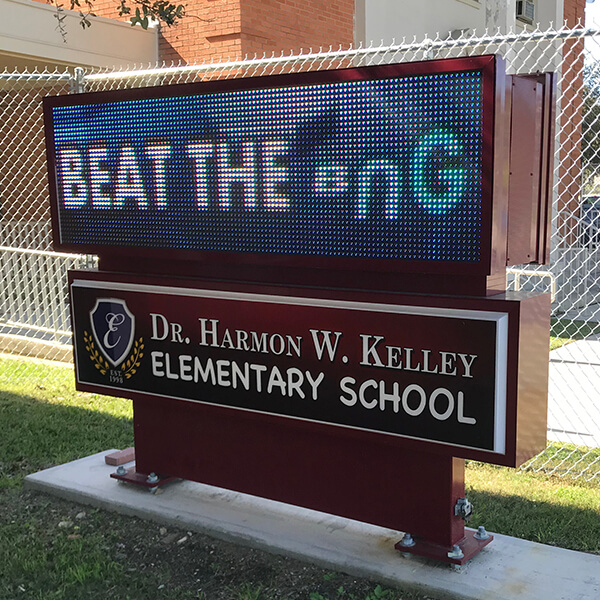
{"x": 34, "y": 318}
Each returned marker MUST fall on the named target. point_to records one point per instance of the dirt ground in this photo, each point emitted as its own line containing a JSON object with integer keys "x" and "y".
{"x": 133, "y": 558}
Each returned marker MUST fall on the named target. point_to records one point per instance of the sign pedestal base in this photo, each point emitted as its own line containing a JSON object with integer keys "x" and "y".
{"x": 469, "y": 546}
{"x": 347, "y": 473}
{"x": 150, "y": 482}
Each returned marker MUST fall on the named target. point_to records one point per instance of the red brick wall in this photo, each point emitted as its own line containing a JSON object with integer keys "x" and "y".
{"x": 210, "y": 32}
{"x": 574, "y": 12}
{"x": 291, "y": 25}
{"x": 216, "y": 30}
{"x": 570, "y": 122}
{"x": 104, "y": 8}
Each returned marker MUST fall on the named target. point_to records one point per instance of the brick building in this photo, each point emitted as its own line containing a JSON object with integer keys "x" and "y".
{"x": 215, "y": 30}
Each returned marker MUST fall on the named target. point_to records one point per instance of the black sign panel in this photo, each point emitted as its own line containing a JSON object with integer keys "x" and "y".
{"x": 383, "y": 164}
{"x": 424, "y": 373}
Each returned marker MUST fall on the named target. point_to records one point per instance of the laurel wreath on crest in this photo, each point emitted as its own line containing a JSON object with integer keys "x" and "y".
{"x": 99, "y": 362}
{"x": 129, "y": 367}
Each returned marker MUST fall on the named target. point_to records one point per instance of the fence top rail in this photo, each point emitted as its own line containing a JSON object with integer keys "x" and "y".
{"x": 42, "y": 253}
{"x": 35, "y": 75}
{"x": 425, "y": 45}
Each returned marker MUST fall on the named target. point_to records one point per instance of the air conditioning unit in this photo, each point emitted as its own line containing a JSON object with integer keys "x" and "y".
{"x": 525, "y": 11}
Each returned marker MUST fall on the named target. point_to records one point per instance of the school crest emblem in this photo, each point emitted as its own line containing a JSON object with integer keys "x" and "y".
{"x": 113, "y": 333}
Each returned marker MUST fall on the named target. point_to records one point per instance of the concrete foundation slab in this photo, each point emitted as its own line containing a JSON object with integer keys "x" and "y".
{"x": 507, "y": 569}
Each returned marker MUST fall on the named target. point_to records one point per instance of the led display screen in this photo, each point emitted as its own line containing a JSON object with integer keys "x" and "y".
{"x": 381, "y": 163}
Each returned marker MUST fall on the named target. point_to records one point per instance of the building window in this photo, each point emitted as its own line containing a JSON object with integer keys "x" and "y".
{"x": 526, "y": 11}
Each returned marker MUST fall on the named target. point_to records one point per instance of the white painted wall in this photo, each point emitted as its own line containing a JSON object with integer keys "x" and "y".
{"x": 29, "y": 37}
{"x": 390, "y": 20}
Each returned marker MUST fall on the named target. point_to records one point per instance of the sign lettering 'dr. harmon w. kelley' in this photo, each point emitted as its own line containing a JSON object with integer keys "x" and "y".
{"x": 423, "y": 373}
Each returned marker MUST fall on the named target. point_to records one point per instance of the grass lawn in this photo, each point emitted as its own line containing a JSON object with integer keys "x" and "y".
{"x": 565, "y": 331}
{"x": 533, "y": 506}
{"x": 573, "y": 330}
{"x": 46, "y": 422}
{"x": 52, "y": 549}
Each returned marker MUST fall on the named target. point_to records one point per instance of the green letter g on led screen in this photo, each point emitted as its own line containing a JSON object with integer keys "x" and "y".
{"x": 439, "y": 177}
